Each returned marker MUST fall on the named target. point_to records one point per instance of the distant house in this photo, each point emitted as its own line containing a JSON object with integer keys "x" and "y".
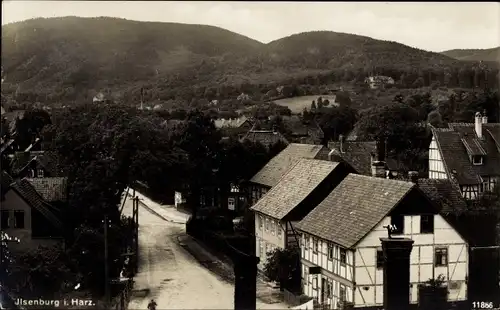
{"x": 265, "y": 137}
{"x": 27, "y": 216}
{"x": 272, "y": 172}
{"x": 356, "y": 153}
{"x": 468, "y": 154}
{"x": 243, "y": 97}
{"x": 100, "y": 97}
{"x": 379, "y": 81}
{"x": 37, "y": 165}
{"x": 341, "y": 251}
{"x": 236, "y": 127}
{"x": 303, "y": 132}
{"x": 306, "y": 184}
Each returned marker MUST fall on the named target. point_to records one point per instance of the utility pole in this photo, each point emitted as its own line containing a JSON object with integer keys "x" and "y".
{"x": 135, "y": 220}
{"x": 106, "y": 266}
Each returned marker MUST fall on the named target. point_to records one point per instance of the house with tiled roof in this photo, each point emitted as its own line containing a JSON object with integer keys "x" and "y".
{"x": 300, "y": 189}
{"x": 468, "y": 154}
{"x": 267, "y": 138}
{"x": 358, "y": 154}
{"x": 341, "y": 251}
{"x": 41, "y": 164}
{"x": 303, "y": 132}
{"x": 477, "y": 226}
{"x": 271, "y": 173}
{"x": 27, "y": 216}
{"x": 236, "y": 127}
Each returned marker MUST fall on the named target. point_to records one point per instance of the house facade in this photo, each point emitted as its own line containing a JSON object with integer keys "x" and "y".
{"x": 25, "y": 215}
{"x": 468, "y": 154}
{"x": 272, "y": 172}
{"x": 295, "y": 195}
{"x": 379, "y": 81}
{"x": 341, "y": 250}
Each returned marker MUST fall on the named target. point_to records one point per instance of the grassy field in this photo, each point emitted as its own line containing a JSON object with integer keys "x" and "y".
{"x": 297, "y": 104}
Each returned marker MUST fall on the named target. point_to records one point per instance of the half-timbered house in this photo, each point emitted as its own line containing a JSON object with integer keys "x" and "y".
{"x": 296, "y": 194}
{"x": 272, "y": 172}
{"x": 341, "y": 249}
{"x": 468, "y": 154}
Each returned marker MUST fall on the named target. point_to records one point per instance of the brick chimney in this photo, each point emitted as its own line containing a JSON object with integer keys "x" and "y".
{"x": 396, "y": 272}
{"x": 478, "y": 125}
{"x": 485, "y": 117}
{"x": 378, "y": 161}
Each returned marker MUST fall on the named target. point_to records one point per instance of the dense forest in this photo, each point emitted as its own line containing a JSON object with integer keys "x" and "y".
{"x": 70, "y": 59}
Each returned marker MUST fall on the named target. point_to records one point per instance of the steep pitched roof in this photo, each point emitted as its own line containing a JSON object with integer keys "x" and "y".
{"x": 265, "y": 137}
{"x": 357, "y": 154}
{"x": 445, "y": 194}
{"x": 49, "y": 160}
{"x": 24, "y": 188}
{"x": 294, "y": 187}
{"x": 354, "y": 208}
{"x": 51, "y": 189}
{"x": 458, "y": 142}
{"x": 5, "y": 182}
{"x": 281, "y": 163}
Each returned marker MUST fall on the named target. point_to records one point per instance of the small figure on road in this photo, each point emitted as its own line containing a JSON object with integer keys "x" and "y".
{"x": 152, "y": 305}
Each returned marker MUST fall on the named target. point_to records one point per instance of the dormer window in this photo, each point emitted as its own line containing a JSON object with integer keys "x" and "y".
{"x": 40, "y": 173}
{"x": 477, "y": 160}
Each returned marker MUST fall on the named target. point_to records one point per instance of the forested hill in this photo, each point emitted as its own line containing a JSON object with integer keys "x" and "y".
{"x": 334, "y": 50}
{"x": 490, "y": 54}
{"x": 72, "y": 58}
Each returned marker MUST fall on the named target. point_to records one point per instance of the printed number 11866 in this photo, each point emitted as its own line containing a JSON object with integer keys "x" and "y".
{"x": 476, "y": 305}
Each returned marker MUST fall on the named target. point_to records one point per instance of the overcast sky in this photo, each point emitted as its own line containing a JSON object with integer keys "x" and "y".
{"x": 434, "y": 26}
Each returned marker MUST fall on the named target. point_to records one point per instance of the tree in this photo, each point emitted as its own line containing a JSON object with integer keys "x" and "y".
{"x": 434, "y": 118}
{"x": 406, "y": 137}
{"x": 337, "y": 121}
{"x": 283, "y": 266}
{"x": 343, "y": 99}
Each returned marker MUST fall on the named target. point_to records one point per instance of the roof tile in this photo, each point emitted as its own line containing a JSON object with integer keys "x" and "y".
{"x": 281, "y": 163}
{"x": 354, "y": 208}
{"x": 295, "y": 186}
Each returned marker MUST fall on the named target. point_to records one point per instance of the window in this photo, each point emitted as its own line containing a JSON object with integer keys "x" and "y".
{"x": 273, "y": 227}
{"x": 260, "y": 222}
{"x": 477, "y": 159}
{"x": 254, "y": 196}
{"x": 343, "y": 257}
{"x": 380, "y": 259}
{"x": 330, "y": 252}
{"x": 19, "y": 219}
{"x": 5, "y": 219}
{"x": 427, "y": 224}
{"x": 315, "y": 282}
{"x": 329, "y": 289}
{"x": 278, "y": 229}
{"x": 261, "y": 249}
{"x": 267, "y": 224}
{"x": 342, "y": 294}
{"x": 307, "y": 242}
{"x": 231, "y": 203}
{"x": 315, "y": 245}
{"x": 441, "y": 257}
{"x": 31, "y": 173}
{"x": 398, "y": 222}
{"x": 40, "y": 173}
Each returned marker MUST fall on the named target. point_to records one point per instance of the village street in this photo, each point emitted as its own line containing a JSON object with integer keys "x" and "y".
{"x": 168, "y": 273}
